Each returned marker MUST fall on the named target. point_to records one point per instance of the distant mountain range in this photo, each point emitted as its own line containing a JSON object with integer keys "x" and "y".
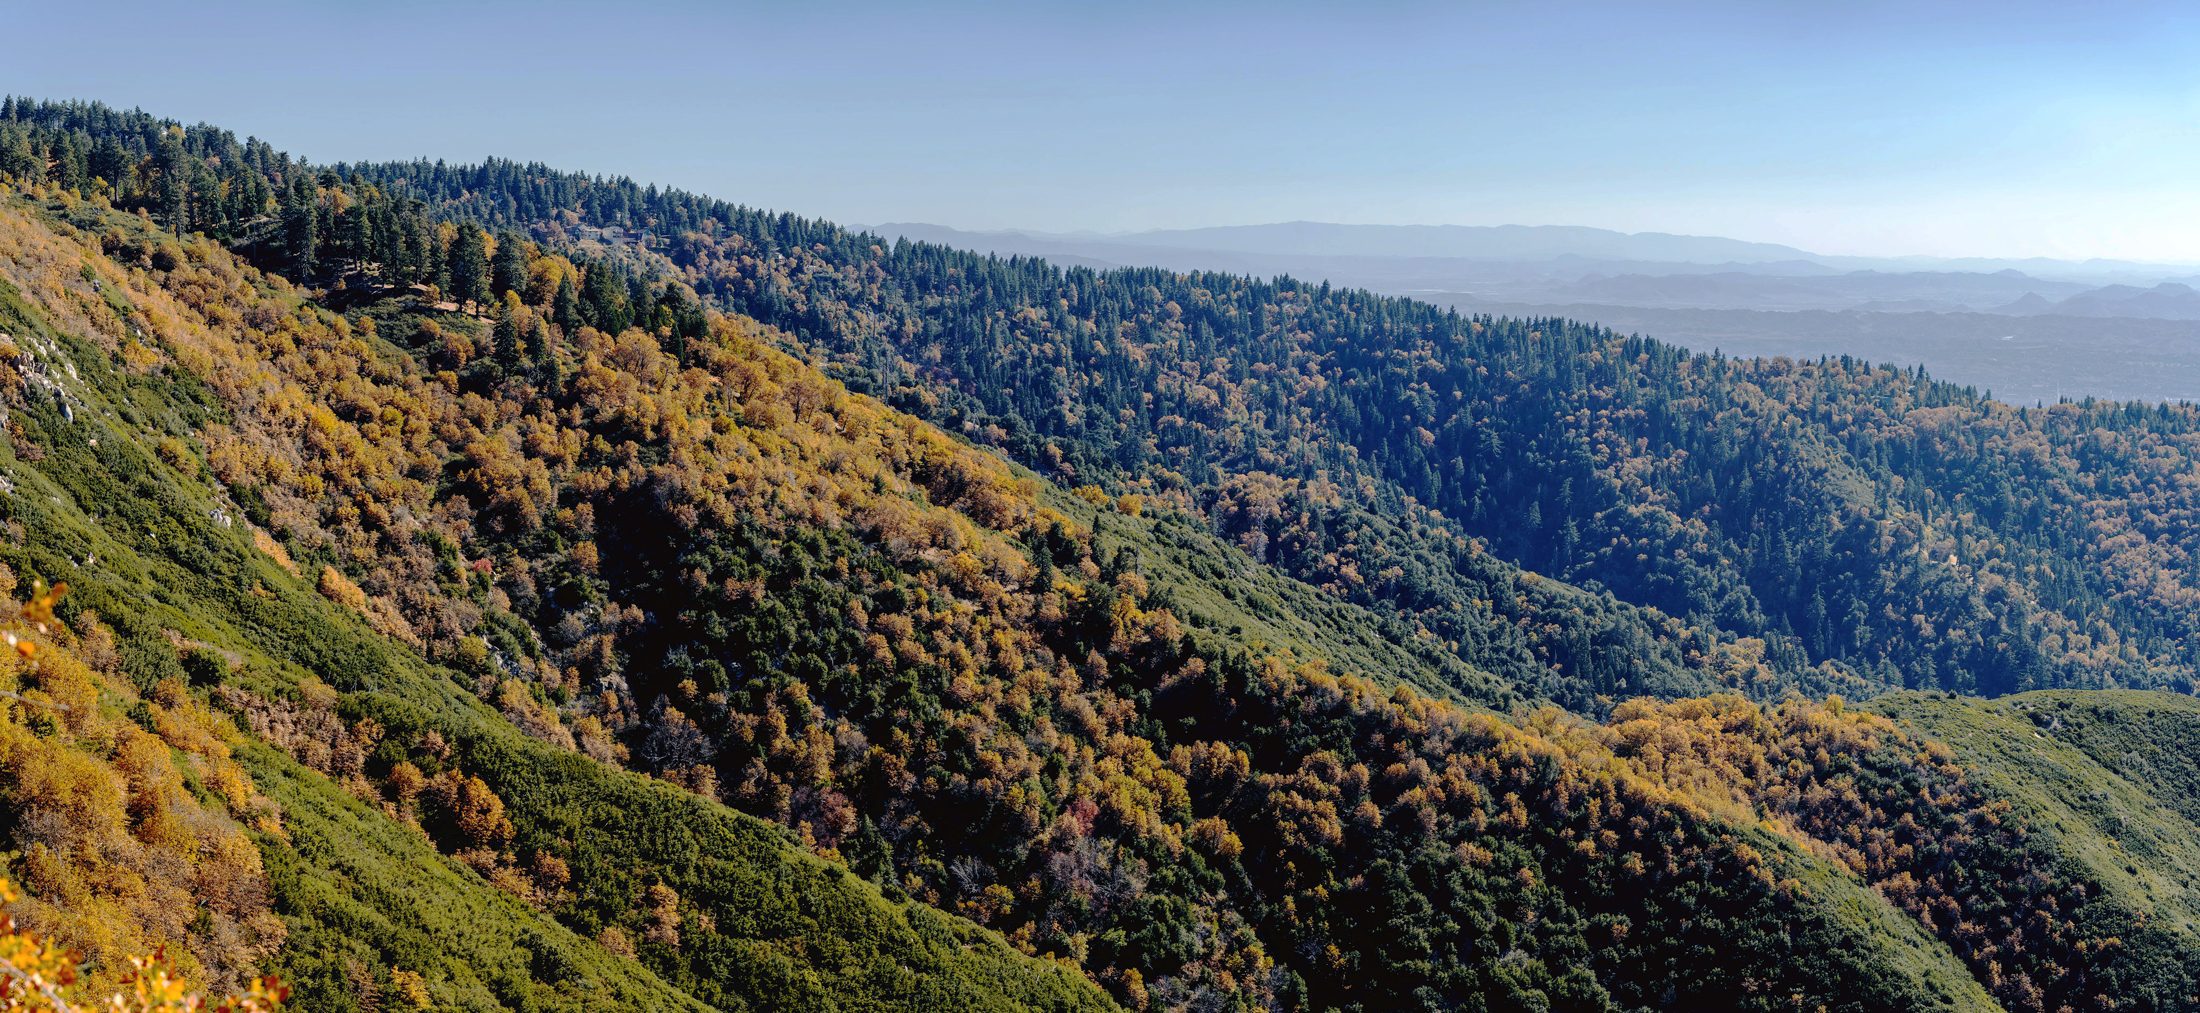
{"x": 1578, "y": 265}
{"x": 2167, "y": 301}
{"x": 2035, "y": 329}
{"x": 1472, "y": 242}
{"x": 1563, "y": 248}
{"x": 757, "y": 619}
{"x": 1522, "y": 242}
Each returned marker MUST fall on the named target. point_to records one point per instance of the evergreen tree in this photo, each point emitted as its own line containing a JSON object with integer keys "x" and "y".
{"x": 201, "y": 212}
{"x": 603, "y": 300}
{"x": 505, "y": 341}
{"x": 508, "y": 273}
{"x": 355, "y": 228}
{"x": 17, "y": 156}
{"x": 411, "y": 257}
{"x": 565, "y": 307}
{"x": 302, "y": 227}
{"x": 172, "y": 179}
{"x": 870, "y": 854}
{"x": 109, "y": 161}
{"x": 682, "y": 320}
{"x": 470, "y": 267}
{"x": 641, "y": 303}
{"x": 435, "y": 254}
{"x": 326, "y": 227}
{"x": 542, "y": 355}
{"x": 70, "y": 167}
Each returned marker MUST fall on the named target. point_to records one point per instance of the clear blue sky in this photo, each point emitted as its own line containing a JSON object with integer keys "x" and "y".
{"x": 1994, "y": 129}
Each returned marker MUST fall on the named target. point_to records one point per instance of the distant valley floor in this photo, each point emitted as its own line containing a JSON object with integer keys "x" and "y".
{"x": 2022, "y": 360}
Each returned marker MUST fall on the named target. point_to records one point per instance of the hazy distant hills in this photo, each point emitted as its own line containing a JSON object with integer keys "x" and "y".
{"x": 1571, "y": 264}
{"x": 759, "y": 619}
{"x": 2021, "y": 359}
{"x": 1534, "y": 242}
{"x": 2029, "y": 328}
{"x": 2003, "y": 290}
{"x": 2166, "y": 301}
{"x": 1473, "y": 242}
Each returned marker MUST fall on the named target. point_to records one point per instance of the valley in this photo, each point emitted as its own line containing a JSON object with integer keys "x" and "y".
{"x": 498, "y": 588}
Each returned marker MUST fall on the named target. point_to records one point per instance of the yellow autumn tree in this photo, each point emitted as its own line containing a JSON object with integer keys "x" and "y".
{"x": 36, "y": 974}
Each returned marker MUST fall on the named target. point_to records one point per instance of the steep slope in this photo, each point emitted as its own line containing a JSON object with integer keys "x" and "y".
{"x": 104, "y": 488}
{"x": 129, "y": 812}
{"x": 1910, "y": 533}
{"x": 1904, "y": 532}
{"x": 1913, "y": 534}
{"x": 1189, "y": 820}
{"x": 2110, "y": 779}
{"x": 480, "y": 523}
{"x": 352, "y": 233}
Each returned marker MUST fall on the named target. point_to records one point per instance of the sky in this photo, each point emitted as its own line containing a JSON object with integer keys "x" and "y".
{"x": 2006, "y": 129}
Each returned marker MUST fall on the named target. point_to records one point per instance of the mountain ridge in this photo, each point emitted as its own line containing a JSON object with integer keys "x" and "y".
{"x": 1534, "y": 242}
{"x": 679, "y": 572}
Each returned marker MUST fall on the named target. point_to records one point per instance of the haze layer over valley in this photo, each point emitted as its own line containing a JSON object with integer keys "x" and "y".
{"x": 2031, "y": 330}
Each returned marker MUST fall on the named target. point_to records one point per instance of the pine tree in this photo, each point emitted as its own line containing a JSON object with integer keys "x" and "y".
{"x": 17, "y": 156}
{"x": 204, "y": 213}
{"x": 70, "y": 169}
{"x": 508, "y": 273}
{"x": 641, "y": 303}
{"x": 683, "y": 320}
{"x": 870, "y": 854}
{"x": 505, "y": 339}
{"x": 470, "y": 267}
{"x": 409, "y": 246}
{"x": 565, "y": 307}
{"x": 302, "y": 227}
{"x": 603, "y": 301}
{"x": 543, "y": 355}
{"x": 355, "y": 231}
{"x": 435, "y": 255}
{"x": 111, "y": 162}
{"x": 326, "y": 228}
{"x": 171, "y": 163}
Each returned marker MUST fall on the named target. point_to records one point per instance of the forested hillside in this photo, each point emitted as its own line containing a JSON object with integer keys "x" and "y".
{"x": 1912, "y": 533}
{"x": 1908, "y": 532}
{"x": 480, "y": 868}
{"x": 507, "y": 568}
{"x": 832, "y": 615}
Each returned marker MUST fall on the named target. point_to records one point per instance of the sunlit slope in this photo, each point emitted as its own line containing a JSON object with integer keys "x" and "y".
{"x": 104, "y": 490}
{"x": 2108, "y": 779}
{"x": 1408, "y": 844}
{"x": 546, "y": 606}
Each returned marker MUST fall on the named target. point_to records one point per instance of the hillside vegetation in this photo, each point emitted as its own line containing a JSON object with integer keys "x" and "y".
{"x": 1903, "y": 532}
{"x": 106, "y": 489}
{"x": 2109, "y": 779}
{"x": 591, "y": 646}
{"x": 1056, "y": 754}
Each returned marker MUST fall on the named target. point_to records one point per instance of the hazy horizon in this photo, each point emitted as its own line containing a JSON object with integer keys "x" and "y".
{"x": 1113, "y": 234}
{"x": 2010, "y": 131}
{"x": 1387, "y": 506}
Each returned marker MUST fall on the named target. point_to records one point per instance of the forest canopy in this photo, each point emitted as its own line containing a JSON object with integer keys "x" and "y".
{"x": 740, "y": 612}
